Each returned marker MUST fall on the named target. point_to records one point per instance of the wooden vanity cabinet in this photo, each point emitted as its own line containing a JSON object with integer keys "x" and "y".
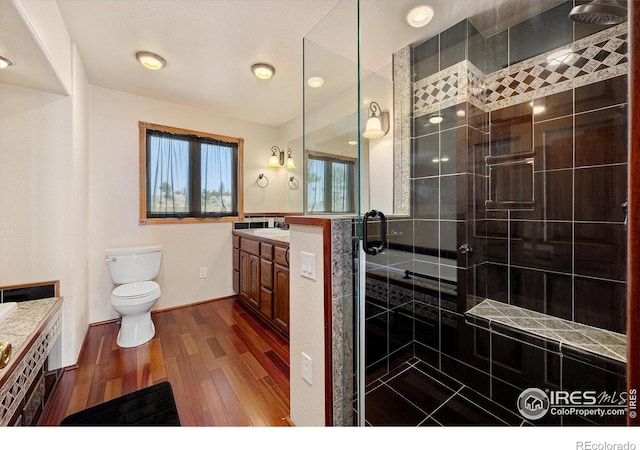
{"x": 281, "y": 297}
{"x": 250, "y": 278}
{"x": 262, "y": 278}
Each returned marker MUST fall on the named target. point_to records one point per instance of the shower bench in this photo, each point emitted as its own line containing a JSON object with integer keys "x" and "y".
{"x": 565, "y": 332}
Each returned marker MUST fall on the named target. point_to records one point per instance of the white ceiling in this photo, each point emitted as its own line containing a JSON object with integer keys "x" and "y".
{"x": 209, "y": 46}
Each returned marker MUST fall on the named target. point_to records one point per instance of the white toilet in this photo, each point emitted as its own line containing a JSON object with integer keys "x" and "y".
{"x": 132, "y": 270}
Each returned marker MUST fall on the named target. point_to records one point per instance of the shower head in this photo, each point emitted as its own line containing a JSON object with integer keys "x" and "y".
{"x": 600, "y": 12}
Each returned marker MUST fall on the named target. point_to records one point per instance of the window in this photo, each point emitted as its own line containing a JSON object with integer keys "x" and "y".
{"x": 188, "y": 176}
{"x": 330, "y": 183}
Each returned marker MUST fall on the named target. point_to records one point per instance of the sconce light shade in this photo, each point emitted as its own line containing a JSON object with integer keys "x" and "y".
{"x": 277, "y": 157}
{"x": 273, "y": 161}
{"x": 290, "y": 163}
{"x": 378, "y": 123}
{"x": 374, "y": 128}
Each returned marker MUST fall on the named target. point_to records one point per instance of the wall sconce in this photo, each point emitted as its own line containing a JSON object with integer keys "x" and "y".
{"x": 290, "y": 163}
{"x": 277, "y": 157}
{"x": 378, "y": 123}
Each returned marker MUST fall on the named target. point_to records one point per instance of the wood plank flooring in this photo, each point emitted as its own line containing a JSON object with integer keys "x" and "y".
{"x": 224, "y": 366}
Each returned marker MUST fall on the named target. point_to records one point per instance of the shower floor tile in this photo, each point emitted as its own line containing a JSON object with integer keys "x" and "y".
{"x": 385, "y": 406}
{"x": 460, "y": 411}
{"x": 422, "y": 390}
{"x": 420, "y": 395}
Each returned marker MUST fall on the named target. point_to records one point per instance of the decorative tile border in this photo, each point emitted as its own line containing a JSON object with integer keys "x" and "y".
{"x": 594, "y": 340}
{"x": 403, "y": 104}
{"x": 594, "y": 58}
{"x": 342, "y": 352}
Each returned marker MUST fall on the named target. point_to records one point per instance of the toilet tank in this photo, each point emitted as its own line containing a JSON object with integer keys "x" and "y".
{"x": 132, "y": 264}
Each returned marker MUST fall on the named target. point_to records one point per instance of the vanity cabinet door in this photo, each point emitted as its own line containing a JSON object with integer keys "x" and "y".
{"x": 266, "y": 286}
{"x": 236, "y": 270}
{"x": 250, "y": 278}
{"x": 281, "y": 297}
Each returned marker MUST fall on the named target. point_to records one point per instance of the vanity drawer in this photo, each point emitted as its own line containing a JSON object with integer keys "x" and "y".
{"x": 266, "y": 251}
{"x": 281, "y": 256}
{"x": 266, "y": 273}
{"x": 250, "y": 246}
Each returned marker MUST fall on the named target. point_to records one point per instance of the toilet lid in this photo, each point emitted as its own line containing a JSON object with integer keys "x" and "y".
{"x": 133, "y": 290}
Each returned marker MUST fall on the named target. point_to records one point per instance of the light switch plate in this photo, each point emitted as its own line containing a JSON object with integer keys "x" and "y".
{"x": 308, "y": 265}
{"x": 306, "y": 367}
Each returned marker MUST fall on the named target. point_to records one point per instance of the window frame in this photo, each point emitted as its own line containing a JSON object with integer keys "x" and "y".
{"x": 144, "y": 220}
{"x": 310, "y": 154}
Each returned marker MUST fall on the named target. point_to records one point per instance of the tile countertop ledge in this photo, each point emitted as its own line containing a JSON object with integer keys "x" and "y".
{"x": 584, "y": 337}
{"x": 22, "y": 327}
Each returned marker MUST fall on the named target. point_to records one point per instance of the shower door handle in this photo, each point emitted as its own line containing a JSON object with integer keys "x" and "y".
{"x": 372, "y": 250}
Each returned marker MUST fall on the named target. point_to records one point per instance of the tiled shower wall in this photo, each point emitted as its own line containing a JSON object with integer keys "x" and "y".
{"x": 553, "y": 238}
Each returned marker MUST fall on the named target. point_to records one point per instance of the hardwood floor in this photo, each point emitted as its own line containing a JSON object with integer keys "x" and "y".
{"x": 224, "y": 366}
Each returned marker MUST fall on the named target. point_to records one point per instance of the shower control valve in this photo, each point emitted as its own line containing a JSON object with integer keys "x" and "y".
{"x": 465, "y": 248}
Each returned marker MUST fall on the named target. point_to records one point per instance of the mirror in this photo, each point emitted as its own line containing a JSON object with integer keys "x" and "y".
{"x": 331, "y": 166}
{"x": 339, "y": 178}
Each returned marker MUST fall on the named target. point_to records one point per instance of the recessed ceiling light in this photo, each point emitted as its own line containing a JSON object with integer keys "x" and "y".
{"x": 420, "y": 16}
{"x": 5, "y": 62}
{"x": 436, "y": 118}
{"x": 315, "y": 82}
{"x": 263, "y": 71}
{"x": 352, "y": 142}
{"x": 461, "y": 113}
{"x": 538, "y": 108}
{"x": 560, "y": 56}
{"x": 151, "y": 60}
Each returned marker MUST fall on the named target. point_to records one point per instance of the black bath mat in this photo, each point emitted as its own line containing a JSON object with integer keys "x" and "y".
{"x": 151, "y": 406}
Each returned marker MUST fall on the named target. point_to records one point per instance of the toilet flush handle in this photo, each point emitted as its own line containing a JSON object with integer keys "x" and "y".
{"x": 113, "y": 259}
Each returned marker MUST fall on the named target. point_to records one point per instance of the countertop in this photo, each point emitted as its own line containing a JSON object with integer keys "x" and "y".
{"x": 23, "y": 325}
{"x": 276, "y": 239}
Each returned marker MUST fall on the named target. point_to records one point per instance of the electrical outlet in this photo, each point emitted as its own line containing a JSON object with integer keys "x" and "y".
{"x": 306, "y": 367}
{"x": 203, "y": 272}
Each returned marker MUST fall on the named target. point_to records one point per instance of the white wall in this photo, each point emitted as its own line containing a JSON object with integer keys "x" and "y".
{"x": 43, "y": 196}
{"x": 306, "y": 329}
{"x": 35, "y": 191}
{"x": 114, "y": 207}
{"x": 76, "y": 291}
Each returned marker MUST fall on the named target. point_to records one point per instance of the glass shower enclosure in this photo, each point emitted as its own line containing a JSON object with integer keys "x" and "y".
{"x": 489, "y": 214}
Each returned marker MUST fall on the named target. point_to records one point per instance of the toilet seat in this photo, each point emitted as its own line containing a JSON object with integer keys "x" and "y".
{"x": 138, "y": 292}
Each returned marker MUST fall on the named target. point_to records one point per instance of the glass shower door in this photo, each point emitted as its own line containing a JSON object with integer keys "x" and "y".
{"x": 499, "y": 210}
